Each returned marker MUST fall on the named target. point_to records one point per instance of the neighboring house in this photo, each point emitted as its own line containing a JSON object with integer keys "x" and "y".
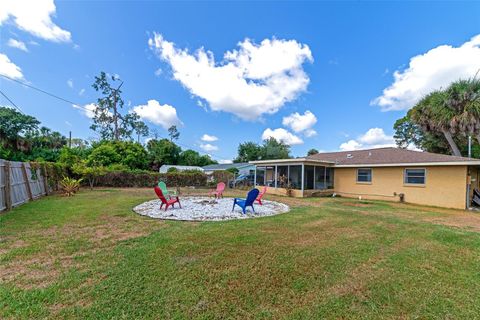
{"x": 385, "y": 174}
{"x": 165, "y": 167}
{"x": 243, "y": 168}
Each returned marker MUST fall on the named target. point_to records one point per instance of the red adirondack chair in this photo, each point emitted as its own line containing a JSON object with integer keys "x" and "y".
{"x": 260, "y": 195}
{"x": 218, "y": 193}
{"x": 165, "y": 201}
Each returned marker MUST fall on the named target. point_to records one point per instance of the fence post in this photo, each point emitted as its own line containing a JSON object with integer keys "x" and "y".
{"x": 8, "y": 192}
{"x": 27, "y": 181}
{"x": 45, "y": 179}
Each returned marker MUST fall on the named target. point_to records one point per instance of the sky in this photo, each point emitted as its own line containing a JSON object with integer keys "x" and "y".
{"x": 324, "y": 75}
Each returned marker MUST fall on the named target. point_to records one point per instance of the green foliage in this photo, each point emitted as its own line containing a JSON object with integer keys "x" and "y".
{"x": 193, "y": 158}
{"x": 172, "y": 169}
{"x": 270, "y": 149}
{"x": 130, "y": 154}
{"x": 91, "y": 173}
{"x": 222, "y": 176}
{"x": 14, "y": 124}
{"x": 162, "y": 152}
{"x": 312, "y": 151}
{"x": 150, "y": 179}
{"x": 173, "y": 133}
{"x": 70, "y": 186}
{"x": 232, "y": 170}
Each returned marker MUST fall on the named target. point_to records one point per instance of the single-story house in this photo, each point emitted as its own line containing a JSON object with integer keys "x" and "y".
{"x": 384, "y": 174}
{"x": 242, "y": 167}
{"x": 164, "y": 168}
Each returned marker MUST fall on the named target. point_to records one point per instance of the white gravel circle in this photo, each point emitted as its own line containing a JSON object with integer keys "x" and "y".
{"x": 208, "y": 209}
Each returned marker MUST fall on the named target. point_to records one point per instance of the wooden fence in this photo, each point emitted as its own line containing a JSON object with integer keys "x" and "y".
{"x": 19, "y": 183}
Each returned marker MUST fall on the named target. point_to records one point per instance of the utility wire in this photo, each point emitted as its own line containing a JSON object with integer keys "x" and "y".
{"x": 10, "y": 100}
{"x": 76, "y": 105}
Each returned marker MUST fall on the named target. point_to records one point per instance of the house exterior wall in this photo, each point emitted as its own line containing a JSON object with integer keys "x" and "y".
{"x": 445, "y": 186}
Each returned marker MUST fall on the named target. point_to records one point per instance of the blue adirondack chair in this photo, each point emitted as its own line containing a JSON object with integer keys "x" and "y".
{"x": 248, "y": 202}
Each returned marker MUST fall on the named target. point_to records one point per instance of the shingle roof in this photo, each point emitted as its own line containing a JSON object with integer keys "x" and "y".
{"x": 384, "y": 156}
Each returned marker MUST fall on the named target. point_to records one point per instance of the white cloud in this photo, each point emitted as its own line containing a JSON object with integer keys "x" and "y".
{"x": 373, "y": 138}
{"x": 432, "y": 70}
{"x": 34, "y": 17}
{"x": 158, "y": 72}
{"x": 81, "y": 92}
{"x": 283, "y": 135}
{"x": 253, "y": 80}
{"x": 164, "y": 115}
{"x": 87, "y": 110}
{"x": 17, "y": 44}
{"x": 207, "y": 147}
{"x": 9, "y": 69}
{"x": 208, "y": 138}
{"x": 70, "y": 83}
{"x": 301, "y": 123}
{"x": 225, "y": 161}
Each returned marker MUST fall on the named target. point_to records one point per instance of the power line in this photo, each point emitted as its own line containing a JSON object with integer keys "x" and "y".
{"x": 10, "y": 100}
{"x": 76, "y": 105}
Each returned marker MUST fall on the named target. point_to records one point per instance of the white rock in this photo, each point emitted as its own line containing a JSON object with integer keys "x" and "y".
{"x": 208, "y": 209}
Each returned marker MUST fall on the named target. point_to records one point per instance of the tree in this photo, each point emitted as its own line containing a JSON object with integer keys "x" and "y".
{"x": 173, "y": 133}
{"x": 273, "y": 149}
{"x": 248, "y": 151}
{"x": 193, "y": 158}
{"x": 311, "y": 152}
{"x": 107, "y": 120}
{"x": 162, "y": 152}
{"x": 14, "y": 126}
{"x": 141, "y": 129}
{"x": 91, "y": 173}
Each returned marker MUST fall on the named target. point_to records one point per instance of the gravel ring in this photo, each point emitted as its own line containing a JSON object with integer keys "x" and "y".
{"x": 208, "y": 209}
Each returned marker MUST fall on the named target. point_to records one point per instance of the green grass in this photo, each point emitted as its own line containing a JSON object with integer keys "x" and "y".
{"x": 91, "y": 257}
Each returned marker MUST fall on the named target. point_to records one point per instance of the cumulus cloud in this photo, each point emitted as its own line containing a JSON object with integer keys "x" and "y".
{"x": 432, "y": 70}
{"x": 163, "y": 115}
{"x": 373, "y": 138}
{"x": 207, "y": 147}
{"x": 301, "y": 123}
{"x": 250, "y": 81}
{"x": 34, "y": 17}
{"x": 208, "y": 138}
{"x": 9, "y": 69}
{"x": 283, "y": 135}
{"x": 87, "y": 110}
{"x": 17, "y": 44}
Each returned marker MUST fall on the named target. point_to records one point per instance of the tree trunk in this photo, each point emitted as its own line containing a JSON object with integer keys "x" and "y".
{"x": 453, "y": 145}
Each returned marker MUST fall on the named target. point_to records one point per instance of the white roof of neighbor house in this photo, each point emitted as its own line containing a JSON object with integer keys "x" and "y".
{"x": 225, "y": 166}
{"x": 165, "y": 167}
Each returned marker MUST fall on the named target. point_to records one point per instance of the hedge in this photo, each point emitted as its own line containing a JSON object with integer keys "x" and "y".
{"x": 150, "y": 179}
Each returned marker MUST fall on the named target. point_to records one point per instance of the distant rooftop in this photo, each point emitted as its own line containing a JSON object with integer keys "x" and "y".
{"x": 165, "y": 167}
{"x": 225, "y": 166}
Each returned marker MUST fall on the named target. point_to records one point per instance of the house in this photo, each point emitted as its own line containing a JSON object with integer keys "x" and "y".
{"x": 164, "y": 168}
{"x": 385, "y": 174}
{"x": 242, "y": 167}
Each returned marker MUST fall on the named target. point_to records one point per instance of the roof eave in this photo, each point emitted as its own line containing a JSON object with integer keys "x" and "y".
{"x": 412, "y": 164}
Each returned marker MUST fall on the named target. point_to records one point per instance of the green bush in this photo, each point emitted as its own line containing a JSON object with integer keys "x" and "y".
{"x": 150, "y": 179}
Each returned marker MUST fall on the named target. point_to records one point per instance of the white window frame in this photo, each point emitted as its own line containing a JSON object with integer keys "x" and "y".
{"x": 371, "y": 176}
{"x": 415, "y": 184}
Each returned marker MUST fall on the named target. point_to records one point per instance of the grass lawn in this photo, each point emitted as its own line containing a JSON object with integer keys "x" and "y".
{"x": 90, "y": 256}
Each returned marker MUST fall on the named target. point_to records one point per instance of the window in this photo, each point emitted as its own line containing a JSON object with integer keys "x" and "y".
{"x": 364, "y": 175}
{"x": 414, "y": 176}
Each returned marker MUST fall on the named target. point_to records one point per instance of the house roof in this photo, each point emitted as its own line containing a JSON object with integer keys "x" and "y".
{"x": 164, "y": 168}
{"x": 389, "y": 157}
{"x": 225, "y": 166}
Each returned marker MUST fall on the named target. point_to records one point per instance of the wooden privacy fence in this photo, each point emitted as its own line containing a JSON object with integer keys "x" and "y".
{"x": 20, "y": 183}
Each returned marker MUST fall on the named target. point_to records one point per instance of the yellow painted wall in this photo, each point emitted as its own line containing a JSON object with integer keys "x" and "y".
{"x": 283, "y": 192}
{"x": 445, "y": 186}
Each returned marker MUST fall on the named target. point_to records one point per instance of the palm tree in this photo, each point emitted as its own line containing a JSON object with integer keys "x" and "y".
{"x": 432, "y": 114}
{"x": 463, "y": 98}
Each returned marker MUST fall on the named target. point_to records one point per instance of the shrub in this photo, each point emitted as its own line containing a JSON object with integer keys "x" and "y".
{"x": 222, "y": 176}
{"x": 70, "y": 186}
{"x": 150, "y": 179}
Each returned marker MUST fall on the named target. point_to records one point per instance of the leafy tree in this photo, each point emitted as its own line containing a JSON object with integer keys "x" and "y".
{"x": 131, "y": 155}
{"x": 107, "y": 120}
{"x": 15, "y": 125}
{"x": 162, "y": 152}
{"x": 141, "y": 129}
{"x": 193, "y": 158}
{"x": 232, "y": 170}
{"x": 248, "y": 151}
{"x": 173, "y": 133}
{"x": 273, "y": 149}
{"x": 311, "y": 152}
{"x": 91, "y": 173}
{"x": 103, "y": 155}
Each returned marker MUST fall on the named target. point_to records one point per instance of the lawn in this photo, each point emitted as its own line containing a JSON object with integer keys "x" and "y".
{"x": 90, "y": 256}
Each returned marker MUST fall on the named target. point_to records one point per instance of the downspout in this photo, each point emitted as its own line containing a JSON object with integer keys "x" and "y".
{"x": 303, "y": 176}
{"x": 275, "y": 176}
{"x": 469, "y": 181}
{"x": 255, "y": 177}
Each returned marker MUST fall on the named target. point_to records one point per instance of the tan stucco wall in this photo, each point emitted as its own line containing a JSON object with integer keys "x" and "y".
{"x": 283, "y": 191}
{"x": 445, "y": 186}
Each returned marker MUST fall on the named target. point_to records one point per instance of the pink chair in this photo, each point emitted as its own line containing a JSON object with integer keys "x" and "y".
{"x": 218, "y": 193}
{"x": 260, "y": 195}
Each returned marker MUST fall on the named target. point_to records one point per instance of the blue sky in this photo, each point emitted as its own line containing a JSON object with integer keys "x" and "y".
{"x": 324, "y": 75}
